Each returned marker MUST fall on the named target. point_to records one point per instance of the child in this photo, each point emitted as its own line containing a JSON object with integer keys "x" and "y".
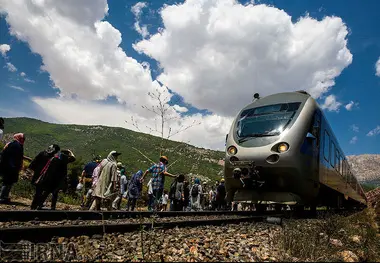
{"x": 165, "y": 198}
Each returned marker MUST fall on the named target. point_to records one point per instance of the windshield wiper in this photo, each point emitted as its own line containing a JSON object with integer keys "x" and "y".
{"x": 254, "y": 135}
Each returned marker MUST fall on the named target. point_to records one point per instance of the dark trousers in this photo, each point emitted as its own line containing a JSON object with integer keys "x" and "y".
{"x": 36, "y": 198}
{"x": 177, "y": 205}
{"x": 5, "y": 190}
{"x": 131, "y": 204}
{"x": 40, "y": 199}
{"x": 150, "y": 202}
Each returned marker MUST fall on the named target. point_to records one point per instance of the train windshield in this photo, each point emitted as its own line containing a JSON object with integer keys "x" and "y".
{"x": 268, "y": 120}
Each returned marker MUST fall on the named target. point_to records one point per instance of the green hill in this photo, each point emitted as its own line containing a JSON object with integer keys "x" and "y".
{"x": 86, "y": 141}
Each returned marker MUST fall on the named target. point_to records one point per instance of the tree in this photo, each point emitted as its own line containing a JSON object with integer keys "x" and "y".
{"x": 165, "y": 114}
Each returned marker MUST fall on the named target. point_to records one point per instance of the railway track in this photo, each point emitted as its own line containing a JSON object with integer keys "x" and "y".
{"x": 59, "y": 215}
{"x": 46, "y": 233}
{"x": 89, "y": 223}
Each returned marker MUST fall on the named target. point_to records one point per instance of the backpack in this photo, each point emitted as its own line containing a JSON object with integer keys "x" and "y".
{"x": 195, "y": 190}
{"x": 173, "y": 188}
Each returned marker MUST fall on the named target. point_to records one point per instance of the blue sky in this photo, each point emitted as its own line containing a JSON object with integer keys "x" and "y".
{"x": 357, "y": 81}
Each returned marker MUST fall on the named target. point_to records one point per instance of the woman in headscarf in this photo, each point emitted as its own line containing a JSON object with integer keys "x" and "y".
{"x": 11, "y": 164}
{"x": 53, "y": 178}
{"x": 195, "y": 195}
{"x": 106, "y": 186}
{"x": 134, "y": 190}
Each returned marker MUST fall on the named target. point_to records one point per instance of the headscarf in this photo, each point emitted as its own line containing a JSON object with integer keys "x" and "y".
{"x": 197, "y": 181}
{"x": 53, "y": 149}
{"x": 19, "y": 137}
{"x": 138, "y": 175}
{"x": 111, "y": 156}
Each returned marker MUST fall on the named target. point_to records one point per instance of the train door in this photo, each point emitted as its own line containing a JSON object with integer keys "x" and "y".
{"x": 316, "y": 143}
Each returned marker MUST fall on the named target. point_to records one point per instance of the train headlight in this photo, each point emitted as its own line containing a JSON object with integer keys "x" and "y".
{"x": 282, "y": 147}
{"x": 231, "y": 150}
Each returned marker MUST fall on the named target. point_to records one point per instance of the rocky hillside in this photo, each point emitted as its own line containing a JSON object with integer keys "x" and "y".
{"x": 366, "y": 167}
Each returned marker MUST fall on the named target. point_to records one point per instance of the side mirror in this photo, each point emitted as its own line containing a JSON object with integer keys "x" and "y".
{"x": 310, "y": 136}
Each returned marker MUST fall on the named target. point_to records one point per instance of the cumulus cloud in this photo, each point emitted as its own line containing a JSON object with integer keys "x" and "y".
{"x": 79, "y": 49}
{"x": 350, "y": 105}
{"x": 377, "y": 67}
{"x": 331, "y": 104}
{"x": 209, "y": 134}
{"x": 354, "y": 140}
{"x": 22, "y": 74}
{"x": 374, "y": 132}
{"x": 218, "y": 53}
{"x": 4, "y": 48}
{"x": 137, "y": 10}
{"x": 354, "y": 128}
{"x": 10, "y": 67}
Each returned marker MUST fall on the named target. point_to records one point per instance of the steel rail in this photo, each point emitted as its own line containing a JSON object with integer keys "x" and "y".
{"x": 47, "y": 233}
{"x": 59, "y": 215}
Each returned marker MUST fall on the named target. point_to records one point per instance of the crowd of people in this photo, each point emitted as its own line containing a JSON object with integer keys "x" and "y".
{"x": 106, "y": 182}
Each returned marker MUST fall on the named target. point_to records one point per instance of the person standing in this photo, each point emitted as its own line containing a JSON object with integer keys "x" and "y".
{"x": 134, "y": 190}
{"x": 221, "y": 195}
{"x": 158, "y": 171}
{"x": 165, "y": 199}
{"x": 150, "y": 195}
{"x": 179, "y": 194}
{"x": 86, "y": 181}
{"x": 10, "y": 165}
{"x": 195, "y": 195}
{"x": 186, "y": 195}
{"x": 37, "y": 165}
{"x": 53, "y": 177}
{"x": 106, "y": 186}
{"x": 123, "y": 184}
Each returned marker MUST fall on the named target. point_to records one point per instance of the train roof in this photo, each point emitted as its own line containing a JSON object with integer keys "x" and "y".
{"x": 295, "y": 96}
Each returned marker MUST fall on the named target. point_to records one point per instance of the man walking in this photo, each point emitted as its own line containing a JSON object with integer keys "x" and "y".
{"x": 158, "y": 171}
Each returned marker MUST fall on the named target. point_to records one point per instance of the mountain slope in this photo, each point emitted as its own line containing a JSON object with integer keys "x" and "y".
{"x": 87, "y": 141}
{"x": 366, "y": 167}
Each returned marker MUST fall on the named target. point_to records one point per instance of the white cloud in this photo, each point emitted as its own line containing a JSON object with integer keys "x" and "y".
{"x": 29, "y": 80}
{"x": 377, "y": 66}
{"x": 218, "y": 53}
{"x": 11, "y": 67}
{"x": 17, "y": 88}
{"x": 209, "y": 134}
{"x": 4, "y": 48}
{"x": 180, "y": 109}
{"x": 79, "y": 49}
{"x": 23, "y": 74}
{"x": 374, "y": 132}
{"x": 331, "y": 104}
{"x": 354, "y": 140}
{"x": 350, "y": 105}
{"x": 137, "y": 10}
{"x": 354, "y": 128}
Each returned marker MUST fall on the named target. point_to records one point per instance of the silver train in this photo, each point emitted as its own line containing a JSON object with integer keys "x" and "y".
{"x": 281, "y": 149}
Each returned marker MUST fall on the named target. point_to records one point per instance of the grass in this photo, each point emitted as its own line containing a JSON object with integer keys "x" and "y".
{"x": 326, "y": 238}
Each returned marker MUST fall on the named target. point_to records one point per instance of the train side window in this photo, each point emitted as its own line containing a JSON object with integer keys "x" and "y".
{"x": 326, "y": 146}
{"x": 337, "y": 161}
{"x": 332, "y": 154}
